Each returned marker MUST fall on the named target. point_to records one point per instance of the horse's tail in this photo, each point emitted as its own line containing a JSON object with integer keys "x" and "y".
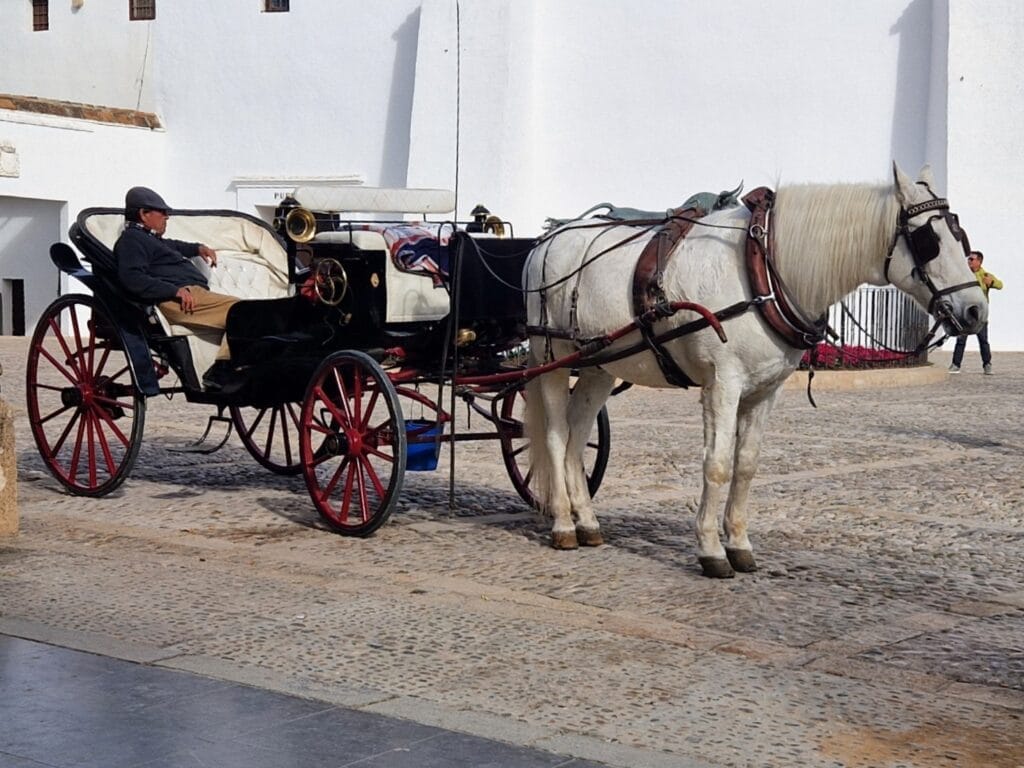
{"x": 536, "y": 426}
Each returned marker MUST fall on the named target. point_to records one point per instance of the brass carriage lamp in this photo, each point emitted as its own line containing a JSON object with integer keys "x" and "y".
{"x": 485, "y": 221}
{"x": 479, "y": 214}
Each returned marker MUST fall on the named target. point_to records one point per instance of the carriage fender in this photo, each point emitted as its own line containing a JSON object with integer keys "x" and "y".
{"x": 135, "y": 345}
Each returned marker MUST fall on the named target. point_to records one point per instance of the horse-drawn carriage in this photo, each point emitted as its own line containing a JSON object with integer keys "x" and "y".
{"x": 356, "y": 315}
{"x": 344, "y": 317}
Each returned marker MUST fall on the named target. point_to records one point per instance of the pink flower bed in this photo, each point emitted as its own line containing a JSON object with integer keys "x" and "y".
{"x": 829, "y": 356}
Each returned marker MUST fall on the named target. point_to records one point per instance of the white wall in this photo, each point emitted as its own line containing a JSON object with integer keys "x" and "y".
{"x": 559, "y": 104}
{"x": 644, "y": 103}
{"x": 324, "y": 90}
{"x": 986, "y": 155}
{"x": 93, "y": 55}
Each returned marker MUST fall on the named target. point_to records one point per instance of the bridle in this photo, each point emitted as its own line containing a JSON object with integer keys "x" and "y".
{"x": 923, "y": 244}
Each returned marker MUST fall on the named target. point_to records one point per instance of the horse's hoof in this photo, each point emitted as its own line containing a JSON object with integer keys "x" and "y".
{"x": 716, "y": 567}
{"x": 589, "y": 537}
{"x": 742, "y": 560}
{"x": 564, "y": 540}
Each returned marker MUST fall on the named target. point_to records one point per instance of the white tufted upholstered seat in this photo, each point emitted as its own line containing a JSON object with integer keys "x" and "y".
{"x": 251, "y": 264}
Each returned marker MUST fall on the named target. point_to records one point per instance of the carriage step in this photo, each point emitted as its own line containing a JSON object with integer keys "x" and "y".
{"x": 201, "y": 445}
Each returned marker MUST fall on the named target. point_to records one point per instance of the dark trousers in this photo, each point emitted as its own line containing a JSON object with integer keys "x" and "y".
{"x": 961, "y": 343}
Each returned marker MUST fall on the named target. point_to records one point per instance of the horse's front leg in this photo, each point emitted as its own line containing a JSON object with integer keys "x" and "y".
{"x": 587, "y": 397}
{"x": 753, "y": 416}
{"x": 720, "y": 402}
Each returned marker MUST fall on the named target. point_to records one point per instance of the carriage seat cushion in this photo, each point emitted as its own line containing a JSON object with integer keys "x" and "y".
{"x": 251, "y": 264}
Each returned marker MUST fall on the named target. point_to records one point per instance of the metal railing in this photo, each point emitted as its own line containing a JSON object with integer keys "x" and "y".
{"x": 877, "y": 327}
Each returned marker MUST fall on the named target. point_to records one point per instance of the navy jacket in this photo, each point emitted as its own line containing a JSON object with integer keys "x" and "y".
{"x": 153, "y": 268}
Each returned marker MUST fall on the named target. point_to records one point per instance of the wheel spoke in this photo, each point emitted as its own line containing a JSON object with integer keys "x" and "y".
{"x": 58, "y": 412}
{"x": 376, "y": 451}
{"x": 255, "y": 423}
{"x": 70, "y": 376}
{"x": 67, "y": 431}
{"x": 521, "y": 449}
{"x": 77, "y": 450}
{"x": 341, "y": 416}
{"x": 113, "y": 403}
{"x": 101, "y": 414}
{"x": 346, "y": 496}
{"x": 364, "y": 502}
{"x": 364, "y": 422}
{"x": 286, "y": 411}
{"x": 101, "y": 438}
{"x": 80, "y": 350}
{"x": 329, "y": 488}
{"x": 124, "y": 370}
{"x": 344, "y": 414}
{"x": 371, "y": 472}
{"x": 69, "y": 358}
{"x": 268, "y": 444}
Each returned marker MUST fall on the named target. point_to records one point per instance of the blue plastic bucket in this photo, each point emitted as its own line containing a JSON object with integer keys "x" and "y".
{"x": 421, "y": 456}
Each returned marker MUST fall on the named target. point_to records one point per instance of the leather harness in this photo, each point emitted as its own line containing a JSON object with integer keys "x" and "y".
{"x": 650, "y": 303}
{"x": 647, "y": 289}
{"x": 765, "y": 283}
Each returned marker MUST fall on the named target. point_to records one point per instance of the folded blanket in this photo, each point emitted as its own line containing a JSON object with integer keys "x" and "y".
{"x": 420, "y": 248}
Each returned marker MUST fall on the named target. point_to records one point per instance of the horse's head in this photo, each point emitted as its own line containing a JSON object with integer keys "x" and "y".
{"x": 928, "y": 258}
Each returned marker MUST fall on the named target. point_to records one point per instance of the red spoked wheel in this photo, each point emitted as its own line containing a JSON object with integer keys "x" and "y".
{"x": 515, "y": 447}
{"x": 271, "y": 435}
{"x": 85, "y": 409}
{"x": 352, "y": 443}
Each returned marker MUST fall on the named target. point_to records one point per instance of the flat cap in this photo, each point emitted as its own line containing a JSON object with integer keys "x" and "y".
{"x": 145, "y": 198}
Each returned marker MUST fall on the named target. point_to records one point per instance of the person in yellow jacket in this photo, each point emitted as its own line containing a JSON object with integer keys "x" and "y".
{"x": 986, "y": 280}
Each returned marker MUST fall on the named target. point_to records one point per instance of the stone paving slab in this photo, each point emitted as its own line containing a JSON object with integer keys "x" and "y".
{"x": 885, "y": 627}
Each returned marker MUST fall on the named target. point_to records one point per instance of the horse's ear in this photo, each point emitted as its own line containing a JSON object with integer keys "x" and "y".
{"x": 903, "y": 186}
{"x": 926, "y": 177}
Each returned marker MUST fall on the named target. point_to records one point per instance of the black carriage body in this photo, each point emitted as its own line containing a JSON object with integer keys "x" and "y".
{"x": 485, "y": 309}
{"x": 486, "y": 284}
{"x": 278, "y": 343}
{"x": 319, "y": 385}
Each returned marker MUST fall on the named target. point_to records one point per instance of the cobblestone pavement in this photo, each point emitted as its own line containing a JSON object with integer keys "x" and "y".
{"x": 885, "y": 627}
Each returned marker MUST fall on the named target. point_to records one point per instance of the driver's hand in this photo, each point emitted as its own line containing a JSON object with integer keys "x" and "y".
{"x": 188, "y": 301}
{"x": 208, "y": 255}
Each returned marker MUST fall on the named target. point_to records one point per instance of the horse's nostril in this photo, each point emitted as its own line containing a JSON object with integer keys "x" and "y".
{"x": 973, "y": 312}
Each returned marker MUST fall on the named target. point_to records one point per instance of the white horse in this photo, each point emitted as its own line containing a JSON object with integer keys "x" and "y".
{"x": 828, "y": 239}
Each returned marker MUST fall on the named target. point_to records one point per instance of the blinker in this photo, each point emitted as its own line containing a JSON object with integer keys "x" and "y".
{"x": 924, "y": 241}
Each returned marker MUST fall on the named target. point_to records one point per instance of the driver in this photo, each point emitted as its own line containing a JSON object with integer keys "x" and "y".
{"x": 159, "y": 271}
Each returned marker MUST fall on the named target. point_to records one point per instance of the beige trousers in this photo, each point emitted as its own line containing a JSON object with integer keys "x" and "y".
{"x": 211, "y": 311}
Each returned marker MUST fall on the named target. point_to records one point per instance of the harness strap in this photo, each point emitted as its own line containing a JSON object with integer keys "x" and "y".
{"x": 939, "y": 203}
{"x": 765, "y": 282}
{"x": 647, "y": 289}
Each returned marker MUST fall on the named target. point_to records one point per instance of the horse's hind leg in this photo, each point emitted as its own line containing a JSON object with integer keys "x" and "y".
{"x": 590, "y": 393}
{"x": 720, "y": 403}
{"x": 751, "y": 421}
{"x": 547, "y": 404}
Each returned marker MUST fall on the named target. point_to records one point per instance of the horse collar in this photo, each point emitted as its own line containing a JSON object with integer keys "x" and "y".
{"x": 769, "y": 291}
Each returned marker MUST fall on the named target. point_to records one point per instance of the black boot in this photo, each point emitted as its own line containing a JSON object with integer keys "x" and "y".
{"x": 221, "y": 376}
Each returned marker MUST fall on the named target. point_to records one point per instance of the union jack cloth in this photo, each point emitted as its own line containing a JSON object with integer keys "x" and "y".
{"x": 420, "y": 248}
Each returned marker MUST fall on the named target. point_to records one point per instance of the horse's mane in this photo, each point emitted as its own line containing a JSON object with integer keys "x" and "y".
{"x": 831, "y": 238}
